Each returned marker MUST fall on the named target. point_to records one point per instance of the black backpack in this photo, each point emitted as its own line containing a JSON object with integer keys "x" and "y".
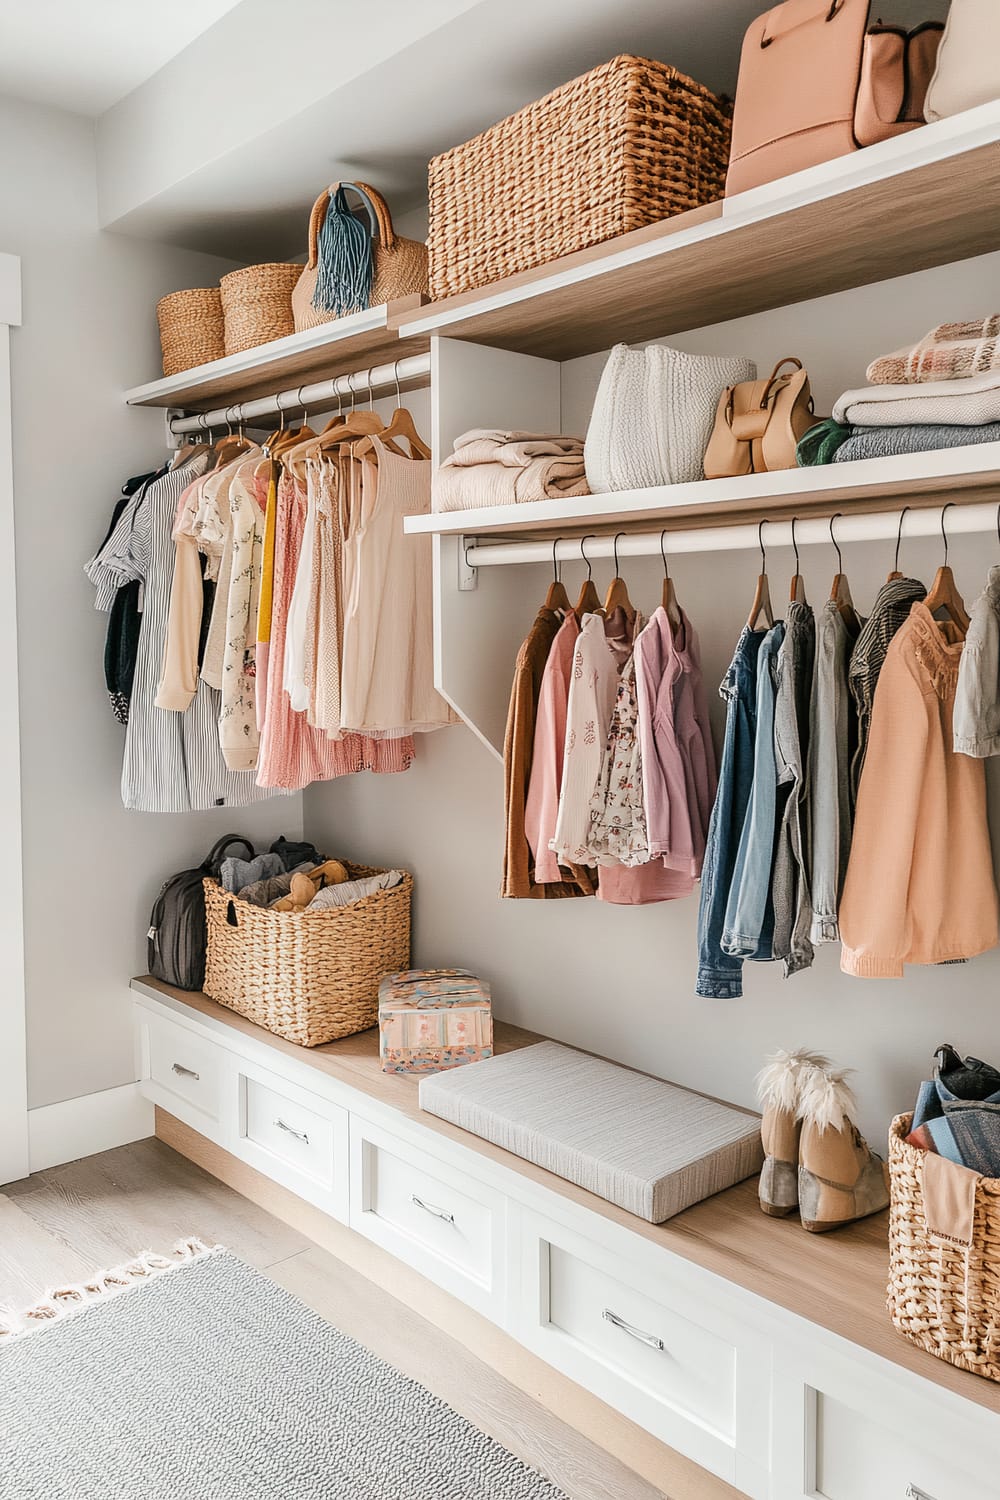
{"x": 177, "y": 936}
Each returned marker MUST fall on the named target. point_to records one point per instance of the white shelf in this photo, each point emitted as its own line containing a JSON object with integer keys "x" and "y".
{"x": 961, "y": 474}
{"x": 329, "y": 349}
{"x": 927, "y": 198}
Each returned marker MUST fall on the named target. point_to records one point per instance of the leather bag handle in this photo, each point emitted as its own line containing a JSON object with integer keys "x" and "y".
{"x": 775, "y": 376}
{"x": 213, "y": 860}
{"x": 773, "y": 33}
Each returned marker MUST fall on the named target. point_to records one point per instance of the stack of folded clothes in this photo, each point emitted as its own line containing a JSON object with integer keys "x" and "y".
{"x": 957, "y": 1114}
{"x": 944, "y": 392}
{"x": 491, "y": 467}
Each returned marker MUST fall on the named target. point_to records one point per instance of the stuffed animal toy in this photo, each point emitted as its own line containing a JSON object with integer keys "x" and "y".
{"x": 305, "y": 885}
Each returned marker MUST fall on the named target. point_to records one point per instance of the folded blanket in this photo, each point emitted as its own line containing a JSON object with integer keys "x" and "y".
{"x": 886, "y": 442}
{"x": 354, "y": 890}
{"x": 491, "y": 467}
{"x": 952, "y": 351}
{"x": 955, "y": 403}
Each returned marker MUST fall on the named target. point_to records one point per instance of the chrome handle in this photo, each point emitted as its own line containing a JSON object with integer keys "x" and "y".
{"x": 912, "y": 1493}
{"x": 186, "y": 1072}
{"x": 634, "y": 1333}
{"x": 429, "y": 1208}
{"x": 299, "y": 1135}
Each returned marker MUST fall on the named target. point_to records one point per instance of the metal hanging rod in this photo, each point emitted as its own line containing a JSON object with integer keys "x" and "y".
{"x": 884, "y": 526}
{"x": 402, "y": 372}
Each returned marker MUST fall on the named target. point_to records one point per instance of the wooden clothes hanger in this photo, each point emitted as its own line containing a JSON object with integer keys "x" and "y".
{"x": 669, "y": 598}
{"x": 840, "y": 589}
{"x": 557, "y": 597}
{"x": 617, "y": 595}
{"x": 944, "y": 593}
{"x": 797, "y": 592}
{"x": 899, "y": 537}
{"x": 762, "y": 598}
{"x": 589, "y": 602}
{"x": 401, "y": 428}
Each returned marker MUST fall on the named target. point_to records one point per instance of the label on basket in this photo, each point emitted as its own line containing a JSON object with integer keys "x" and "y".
{"x": 949, "y": 1201}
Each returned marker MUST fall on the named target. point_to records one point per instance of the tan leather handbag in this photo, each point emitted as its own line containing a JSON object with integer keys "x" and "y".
{"x": 758, "y": 423}
{"x": 353, "y": 265}
{"x": 815, "y": 83}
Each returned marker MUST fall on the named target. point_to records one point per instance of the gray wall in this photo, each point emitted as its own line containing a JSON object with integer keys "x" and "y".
{"x": 620, "y": 981}
{"x": 91, "y": 869}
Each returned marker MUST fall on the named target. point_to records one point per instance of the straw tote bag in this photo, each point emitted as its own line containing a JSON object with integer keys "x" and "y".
{"x": 351, "y": 265}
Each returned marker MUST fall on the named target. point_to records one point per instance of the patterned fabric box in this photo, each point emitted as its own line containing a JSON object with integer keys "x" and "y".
{"x": 431, "y": 1019}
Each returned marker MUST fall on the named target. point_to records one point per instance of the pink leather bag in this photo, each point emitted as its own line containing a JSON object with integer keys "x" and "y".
{"x": 816, "y": 83}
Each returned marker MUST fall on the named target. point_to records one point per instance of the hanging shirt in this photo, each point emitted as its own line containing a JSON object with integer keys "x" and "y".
{"x": 977, "y": 700}
{"x": 617, "y": 834}
{"x": 790, "y": 881}
{"x": 920, "y": 887}
{"x": 832, "y": 742}
{"x": 889, "y": 612}
{"x": 238, "y": 732}
{"x": 541, "y": 807}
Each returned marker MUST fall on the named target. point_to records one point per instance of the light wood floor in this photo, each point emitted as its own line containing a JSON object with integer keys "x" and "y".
{"x": 65, "y": 1223}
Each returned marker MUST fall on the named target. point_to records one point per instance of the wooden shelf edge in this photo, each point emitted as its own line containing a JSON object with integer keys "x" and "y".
{"x": 964, "y": 474}
{"x": 328, "y": 347}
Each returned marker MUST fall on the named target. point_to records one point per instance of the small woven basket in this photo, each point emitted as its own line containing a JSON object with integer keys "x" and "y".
{"x": 307, "y": 976}
{"x": 191, "y": 328}
{"x": 625, "y": 145}
{"x": 942, "y": 1297}
{"x": 257, "y": 303}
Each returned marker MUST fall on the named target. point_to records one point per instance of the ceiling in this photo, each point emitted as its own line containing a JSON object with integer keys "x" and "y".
{"x": 84, "y": 58}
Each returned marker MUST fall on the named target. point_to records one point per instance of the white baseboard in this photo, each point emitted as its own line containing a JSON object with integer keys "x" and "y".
{"x": 64, "y": 1132}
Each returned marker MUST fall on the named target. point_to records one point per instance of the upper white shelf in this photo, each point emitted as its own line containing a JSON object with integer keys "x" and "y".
{"x": 964, "y": 474}
{"x": 320, "y": 353}
{"x": 927, "y": 198}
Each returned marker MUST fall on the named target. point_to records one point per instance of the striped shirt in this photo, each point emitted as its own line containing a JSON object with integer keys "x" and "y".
{"x": 889, "y": 613}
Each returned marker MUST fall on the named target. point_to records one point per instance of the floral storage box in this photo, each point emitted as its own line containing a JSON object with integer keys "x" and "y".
{"x": 431, "y": 1019}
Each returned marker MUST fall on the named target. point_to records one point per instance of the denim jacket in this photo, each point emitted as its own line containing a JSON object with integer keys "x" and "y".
{"x": 977, "y": 699}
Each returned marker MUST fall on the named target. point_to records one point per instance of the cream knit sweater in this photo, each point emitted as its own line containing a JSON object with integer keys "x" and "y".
{"x": 653, "y": 415}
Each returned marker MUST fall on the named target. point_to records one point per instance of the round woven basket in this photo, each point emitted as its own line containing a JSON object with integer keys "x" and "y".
{"x": 307, "y": 976}
{"x": 942, "y": 1297}
{"x": 257, "y": 303}
{"x": 191, "y": 328}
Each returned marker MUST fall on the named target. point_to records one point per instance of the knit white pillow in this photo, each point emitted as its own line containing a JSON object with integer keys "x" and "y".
{"x": 653, "y": 415}
{"x": 966, "y": 72}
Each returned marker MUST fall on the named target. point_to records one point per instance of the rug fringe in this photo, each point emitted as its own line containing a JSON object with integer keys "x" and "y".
{"x": 69, "y": 1298}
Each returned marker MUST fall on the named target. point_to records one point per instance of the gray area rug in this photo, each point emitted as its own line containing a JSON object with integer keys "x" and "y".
{"x": 202, "y": 1380}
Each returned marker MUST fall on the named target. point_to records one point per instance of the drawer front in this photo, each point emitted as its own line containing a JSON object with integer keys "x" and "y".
{"x": 657, "y": 1349}
{"x": 183, "y": 1072}
{"x": 860, "y": 1458}
{"x": 430, "y": 1215}
{"x": 294, "y": 1137}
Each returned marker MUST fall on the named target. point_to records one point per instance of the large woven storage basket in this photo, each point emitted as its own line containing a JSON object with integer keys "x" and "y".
{"x": 309, "y": 977}
{"x": 627, "y": 144}
{"x": 191, "y": 328}
{"x": 257, "y": 303}
{"x": 942, "y": 1297}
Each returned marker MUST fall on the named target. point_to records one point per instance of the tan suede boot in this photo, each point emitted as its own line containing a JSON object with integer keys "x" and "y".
{"x": 840, "y": 1177}
{"x": 778, "y": 1089}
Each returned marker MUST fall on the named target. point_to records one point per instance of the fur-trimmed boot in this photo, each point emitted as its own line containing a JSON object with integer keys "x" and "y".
{"x": 840, "y": 1177}
{"x": 778, "y": 1088}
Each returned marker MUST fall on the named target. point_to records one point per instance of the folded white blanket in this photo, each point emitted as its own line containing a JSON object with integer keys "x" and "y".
{"x": 957, "y": 403}
{"x": 493, "y": 467}
{"x": 353, "y": 890}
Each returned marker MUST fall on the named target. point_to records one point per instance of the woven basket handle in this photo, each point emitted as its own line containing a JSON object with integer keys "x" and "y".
{"x": 315, "y": 225}
{"x": 367, "y": 195}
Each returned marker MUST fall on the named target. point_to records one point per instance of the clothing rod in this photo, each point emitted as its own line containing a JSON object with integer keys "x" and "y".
{"x": 881, "y": 527}
{"x": 358, "y": 382}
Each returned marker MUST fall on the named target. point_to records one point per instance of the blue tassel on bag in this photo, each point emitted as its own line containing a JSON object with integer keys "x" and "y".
{"x": 346, "y": 262}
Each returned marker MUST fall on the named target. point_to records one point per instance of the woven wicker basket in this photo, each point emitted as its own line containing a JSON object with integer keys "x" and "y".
{"x": 309, "y": 977}
{"x": 627, "y": 144}
{"x": 941, "y": 1297}
{"x": 191, "y": 328}
{"x": 257, "y": 303}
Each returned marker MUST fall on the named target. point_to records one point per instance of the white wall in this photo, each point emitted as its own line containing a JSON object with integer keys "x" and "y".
{"x": 91, "y": 869}
{"x": 620, "y": 981}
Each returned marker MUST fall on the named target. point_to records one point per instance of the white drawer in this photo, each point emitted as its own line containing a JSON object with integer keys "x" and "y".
{"x": 858, "y": 1457}
{"x": 443, "y": 1223}
{"x": 182, "y": 1072}
{"x": 661, "y": 1353}
{"x": 294, "y": 1137}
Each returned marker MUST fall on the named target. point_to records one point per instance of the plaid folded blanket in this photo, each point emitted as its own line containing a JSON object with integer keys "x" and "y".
{"x": 952, "y": 351}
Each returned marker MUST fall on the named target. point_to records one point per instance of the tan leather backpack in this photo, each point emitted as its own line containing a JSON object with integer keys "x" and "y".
{"x": 815, "y": 82}
{"x": 758, "y": 423}
{"x": 377, "y": 264}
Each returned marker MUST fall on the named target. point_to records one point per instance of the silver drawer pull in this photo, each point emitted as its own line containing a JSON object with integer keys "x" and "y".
{"x": 299, "y": 1135}
{"x": 912, "y": 1493}
{"x": 634, "y": 1333}
{"x": 186, "y": 1072}
{"x": 429, "y": 1208}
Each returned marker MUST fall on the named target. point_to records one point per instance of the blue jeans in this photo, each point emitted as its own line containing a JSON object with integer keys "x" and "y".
{"x": 966, "y": 1131}
{"x": 720, "y": 976}
{"x": 748, "y": 928}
